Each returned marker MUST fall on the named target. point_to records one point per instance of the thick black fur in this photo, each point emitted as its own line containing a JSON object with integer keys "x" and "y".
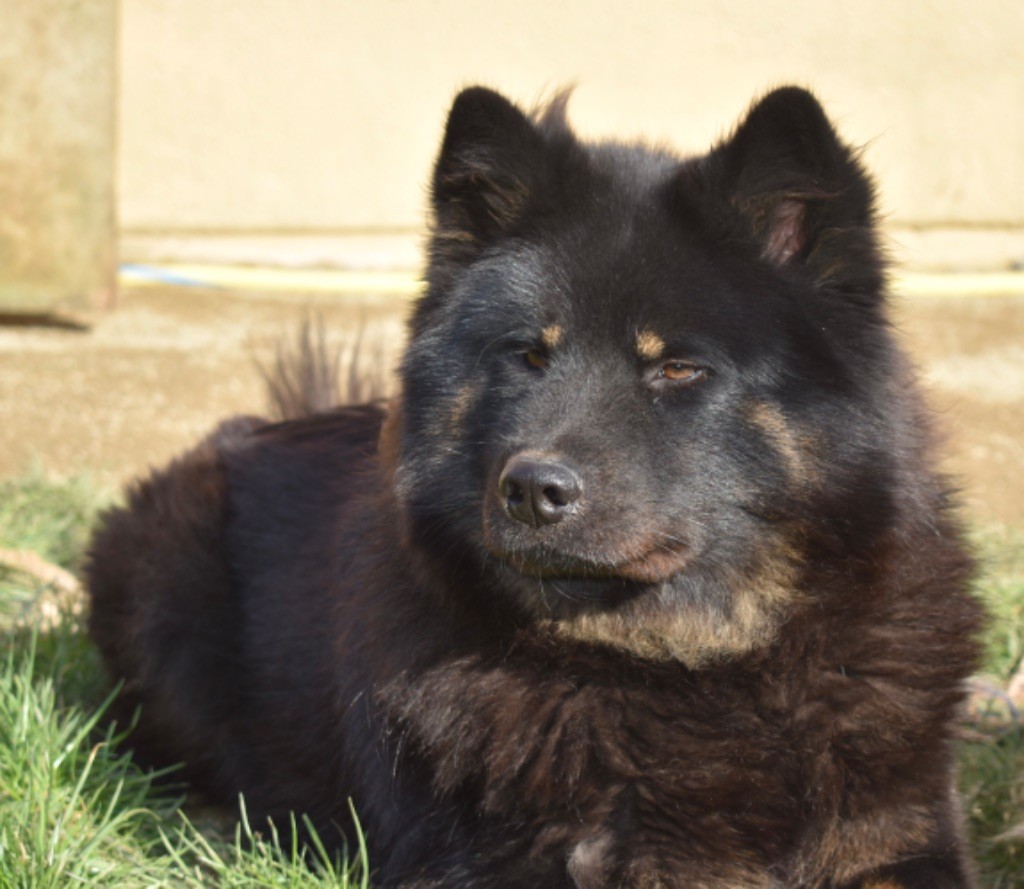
{"x": 645, "y": 579}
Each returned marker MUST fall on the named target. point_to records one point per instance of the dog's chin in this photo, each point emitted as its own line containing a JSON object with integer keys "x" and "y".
{"x": 553, "y": 593}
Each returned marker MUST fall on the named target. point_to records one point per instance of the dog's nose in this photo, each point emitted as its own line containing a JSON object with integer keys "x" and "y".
{"x": 539, "y": 490}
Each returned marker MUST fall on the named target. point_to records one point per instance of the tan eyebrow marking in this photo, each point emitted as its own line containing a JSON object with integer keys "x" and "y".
{"x": 649, "y": 345}
{"x": 551, "y": 335}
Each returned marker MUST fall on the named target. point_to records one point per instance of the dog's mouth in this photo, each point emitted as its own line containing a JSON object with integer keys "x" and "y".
{"x": 647, "y": 565}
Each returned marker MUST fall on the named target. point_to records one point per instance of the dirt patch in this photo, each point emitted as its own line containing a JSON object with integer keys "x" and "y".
{"x": 150, "y": 378}
{"x": 970, "y": 352}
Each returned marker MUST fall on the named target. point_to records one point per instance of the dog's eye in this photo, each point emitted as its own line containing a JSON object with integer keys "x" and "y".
{"x": 535, "y": 359}
{"x": 681, "y": 372}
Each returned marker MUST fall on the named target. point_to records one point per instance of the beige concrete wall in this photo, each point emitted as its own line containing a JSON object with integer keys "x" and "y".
{"x": 305, "y": 117}
{"x": 57, "y": 232}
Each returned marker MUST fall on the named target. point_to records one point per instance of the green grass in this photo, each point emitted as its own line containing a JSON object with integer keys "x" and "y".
{"x": 50, "y": 518}
{"x": 992, "y": 761}
{"x": 74, "y": 811}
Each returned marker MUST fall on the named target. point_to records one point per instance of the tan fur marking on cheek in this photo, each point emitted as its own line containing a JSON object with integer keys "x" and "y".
{"x": 460, "y": 407}
{"x": 552, "y": 335}
{"x": 649, "y": 345}
{"x": 787, "y": 442}
{"x": 446, "y": 424}
{"x": 883, "y": 884}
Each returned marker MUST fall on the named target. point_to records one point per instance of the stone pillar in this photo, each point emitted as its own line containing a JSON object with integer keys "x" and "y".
{"x": 57, "y": 146}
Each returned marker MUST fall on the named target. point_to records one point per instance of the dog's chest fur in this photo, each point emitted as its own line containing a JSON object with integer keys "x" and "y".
{"x": 629, "y": 775}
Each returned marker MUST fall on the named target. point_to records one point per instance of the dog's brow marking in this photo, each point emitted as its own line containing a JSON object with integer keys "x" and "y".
{"x": 551, "y": 335}
{"x": 649, "y": 345}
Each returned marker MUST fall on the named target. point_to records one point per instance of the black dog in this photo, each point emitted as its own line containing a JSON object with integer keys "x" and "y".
{"x": 646, "y": 578}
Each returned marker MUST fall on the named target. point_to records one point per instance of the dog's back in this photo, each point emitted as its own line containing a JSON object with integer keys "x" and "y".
{"x": 168, "y": 575}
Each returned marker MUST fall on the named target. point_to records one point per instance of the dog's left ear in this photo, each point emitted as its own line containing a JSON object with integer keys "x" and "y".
{"x": 801, "y": 192}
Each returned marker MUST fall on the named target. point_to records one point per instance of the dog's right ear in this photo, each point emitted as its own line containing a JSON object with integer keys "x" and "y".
{"x": 486, "y": 174}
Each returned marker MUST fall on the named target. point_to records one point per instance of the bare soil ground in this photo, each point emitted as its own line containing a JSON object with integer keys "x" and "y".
{"x": 148, "y": 379}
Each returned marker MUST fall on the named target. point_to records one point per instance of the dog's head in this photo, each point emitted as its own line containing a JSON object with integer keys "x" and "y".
{"x": 641, "y": 389}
